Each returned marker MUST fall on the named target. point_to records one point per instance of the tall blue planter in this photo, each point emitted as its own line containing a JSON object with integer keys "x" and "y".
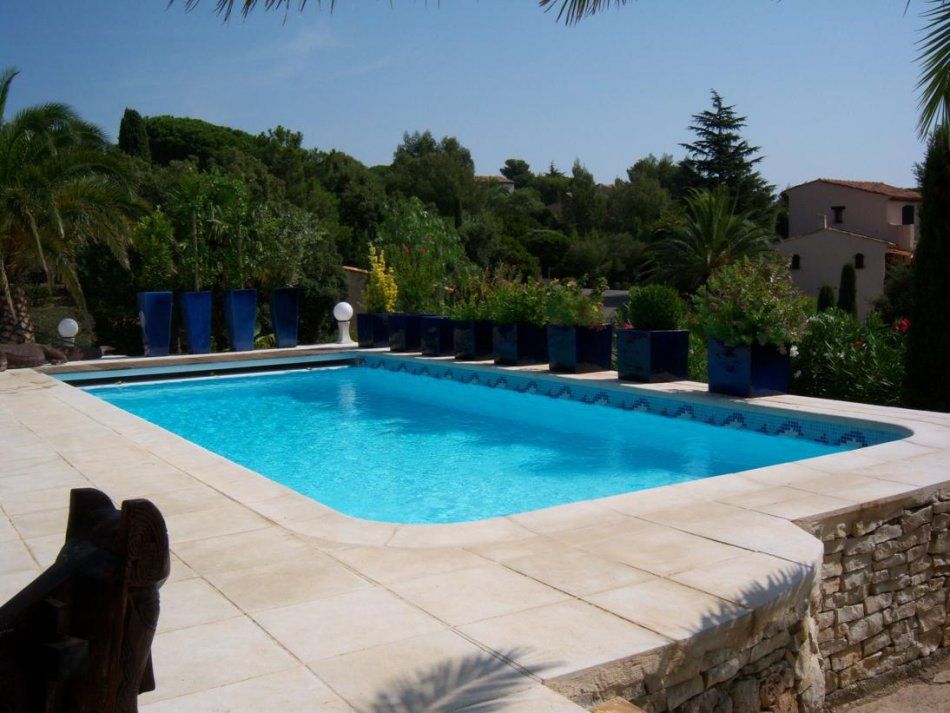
{"x": 577, "y": 350}
{"x": 747, "y": 370}
{"x": 240, "y": 316}
{"x": 155, "y": 316}
{"x": 196, "y": 319}
{"x": 372, "y": 330}
{"x": 438, "y": 337}
{"x": 285, "y": 315}
{"x": 472, "y": 339}
{"x": 405, "y": 332}
{"x": 520, "y": 344}
{"x": 652, "y": 356}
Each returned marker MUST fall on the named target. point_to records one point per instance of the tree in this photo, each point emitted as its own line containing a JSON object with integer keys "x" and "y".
{"x": 59, "y": 190}
{"x": 826, "y": 298}
{"x": 928, "y": 341}
{"x": 721, "y": 158}
{"x": 133, "y": 138}
{"x": 848, "y": 290}
{"x": 712, "y": 233}
{"x": 934, "y": 59}
{"x": 518, "y": 171}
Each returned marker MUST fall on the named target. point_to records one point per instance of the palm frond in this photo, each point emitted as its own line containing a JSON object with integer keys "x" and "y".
{"x": 934, "y": 59}
{"x": 6, "y": 77}
{"x": 573, "y": 11}
{"x": 226, "y": 7}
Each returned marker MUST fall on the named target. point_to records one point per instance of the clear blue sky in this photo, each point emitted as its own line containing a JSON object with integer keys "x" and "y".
{"x": 827, "y": 85}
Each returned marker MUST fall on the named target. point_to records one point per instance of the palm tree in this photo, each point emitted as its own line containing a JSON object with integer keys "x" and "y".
{"x": 59, "y": 190}
{"x": 711, "y": 234}
{"x": 934, "y": 58}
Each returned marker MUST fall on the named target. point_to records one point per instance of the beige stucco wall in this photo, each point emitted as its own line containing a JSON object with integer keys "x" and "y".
{"x": 866, "y": 213}
{"x": 823, "y": 253}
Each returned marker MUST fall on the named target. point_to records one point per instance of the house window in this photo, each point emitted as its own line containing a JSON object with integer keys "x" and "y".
{"x": 859, "y": 261}
{"x": 838, "y": 211}
{"x": 907, "y": 215}
{"x": 796, "y": 262}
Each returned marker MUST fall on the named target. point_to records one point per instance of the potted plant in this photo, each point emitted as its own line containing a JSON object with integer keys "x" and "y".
{"x": 517, "y": 311}
{"x": 578, "y": 338}
{"x": 751, "y": 313}
{"x": 471, "y": 322}
{"x": 649, "y": 345}
{"x": 438, "y": 335}
{"x": 155, "y": 317}
{"x": 285, "y": 315}
{"x": 379, "y": 299}
{"x": 240, "y": 318}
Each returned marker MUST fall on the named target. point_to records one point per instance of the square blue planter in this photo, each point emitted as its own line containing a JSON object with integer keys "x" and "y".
{"x": 520, "y": 344}
{"x": 577, "y": 350}
{"x": 438, "y": 336}
{"x": 285, "y": 315}
{"x": 652, "y": 356}
{"x": 371, "y": 330}
{"x": 405, "y": 332}
{"x": 155, "y": 316}
{"x": 196, "y": 319}
{"x": 473, "y": 339}
{"x": 747, "y": 370}
{"x": 240, "y": 316}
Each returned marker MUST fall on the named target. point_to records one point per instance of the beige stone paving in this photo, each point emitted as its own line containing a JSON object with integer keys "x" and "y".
{"x": 276, "y": 600}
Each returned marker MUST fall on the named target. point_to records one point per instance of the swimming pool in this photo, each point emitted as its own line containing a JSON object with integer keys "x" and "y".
{"x": 385, "y": 439}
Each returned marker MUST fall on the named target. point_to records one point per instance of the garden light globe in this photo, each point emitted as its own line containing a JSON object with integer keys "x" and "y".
{"x": 68, "y": 328}
{"x": 343, "y": 312}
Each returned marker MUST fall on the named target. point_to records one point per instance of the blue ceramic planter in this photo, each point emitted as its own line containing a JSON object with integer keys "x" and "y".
{"x": 285, "y": 315}
{"x": 576, "y": 350}
{"x": 473, "y": 339}
{"x": 371, "y": 330}
{"x": 653, "y": 356}
{"x": 405, "y": 332}
{"x": 196, "y": 319}
{"x": 747, "y": 370}
{"x": 155, "y": 316}
{"x": 520, "y": 344}
{"x": 240, "y": 316}
{"x": 437, "y": 336}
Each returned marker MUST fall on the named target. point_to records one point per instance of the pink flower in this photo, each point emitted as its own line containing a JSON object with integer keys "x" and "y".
{"x": 902, "y": 325}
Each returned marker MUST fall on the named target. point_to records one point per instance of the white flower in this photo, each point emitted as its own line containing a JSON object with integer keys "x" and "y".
{"x": 793, "y": 351}
{"x": 798, "y": 373}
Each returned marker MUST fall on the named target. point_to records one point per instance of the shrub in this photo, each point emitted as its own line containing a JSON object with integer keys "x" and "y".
{"x": 512, "y": 301}
{"x": 653, "y": 307}
{"x": 826, "y": 298}
{"x": 840, "y": 358}
{"x": 568, "y": 305}
{"x": 848, "y": 290}
{"x": 381, "y": 291}
{"x": 752, "y": 301}
{"x": 471, "y": 300}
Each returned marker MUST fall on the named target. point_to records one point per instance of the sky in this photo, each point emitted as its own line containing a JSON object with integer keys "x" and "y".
{"x": 827, "y": 85}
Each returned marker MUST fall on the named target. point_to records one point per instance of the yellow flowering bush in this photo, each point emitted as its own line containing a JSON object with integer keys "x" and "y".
{"x": 381, "y": 290}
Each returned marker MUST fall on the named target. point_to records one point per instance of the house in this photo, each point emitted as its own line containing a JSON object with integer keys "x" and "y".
{"x": 831, "y": 222}
{"x": 505, "y": 183}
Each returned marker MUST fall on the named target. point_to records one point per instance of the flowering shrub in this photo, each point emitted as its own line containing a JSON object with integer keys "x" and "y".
{"x": 512, "y": 301}
{"x": 568, "y": 305}
{"x": 840, "y": 358}
{"x": 381, "y": 290}
{"x": 471, "y": 299}
{"x": 652, "y": 307}
{"x": 751, "y": 301}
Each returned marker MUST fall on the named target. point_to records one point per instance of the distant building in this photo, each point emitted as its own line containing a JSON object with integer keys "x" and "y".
{"x": 505, "y": 183}
{"x": 832, "y": 222}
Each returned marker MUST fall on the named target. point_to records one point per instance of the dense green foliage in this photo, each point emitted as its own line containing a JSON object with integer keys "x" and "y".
{"x": 826, "y": 298}
{"x": 653, "y": 307}
{"x": 841, "y": 358}
{"x": 848, "y": 290}
{"x": 567, "y": 304}
{"x": 928, "y": 347}
{"x": 133, "y": 136}
{"x": 752, "y": 301}
{"x": 512, "y": 301}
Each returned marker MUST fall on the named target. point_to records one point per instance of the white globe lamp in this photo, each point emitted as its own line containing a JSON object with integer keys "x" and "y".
{"x": 68, "y": 329}
{"x": 343, "y": 313}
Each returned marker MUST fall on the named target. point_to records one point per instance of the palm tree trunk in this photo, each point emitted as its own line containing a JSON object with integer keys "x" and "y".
{"x": 16, "y": 325}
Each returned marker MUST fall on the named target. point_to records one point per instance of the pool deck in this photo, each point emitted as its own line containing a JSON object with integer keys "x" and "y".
{"x": 276, "y": 602}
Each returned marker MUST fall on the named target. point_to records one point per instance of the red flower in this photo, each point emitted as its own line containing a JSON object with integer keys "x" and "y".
{"x": 858, "y": 342}
{"x": 902, "y": 325}
{"x": 422, "y": 250}
{"x": 626, "y": 325}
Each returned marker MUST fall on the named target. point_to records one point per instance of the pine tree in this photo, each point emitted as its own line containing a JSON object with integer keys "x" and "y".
{"x": 133, "y": 138}
{"x": 848, "y": 290}
{"x": 720, "y": 157}
{"x": 928, "y": 342}
{"x": 826, "y": 298}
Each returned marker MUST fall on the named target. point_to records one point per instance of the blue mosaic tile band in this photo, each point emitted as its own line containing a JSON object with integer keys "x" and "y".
{"x": 838, "y": 434}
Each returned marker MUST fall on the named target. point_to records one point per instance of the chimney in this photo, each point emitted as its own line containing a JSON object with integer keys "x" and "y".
{"x": 822, "y": 221}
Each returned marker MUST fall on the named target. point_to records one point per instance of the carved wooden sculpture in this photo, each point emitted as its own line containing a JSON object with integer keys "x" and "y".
{"x": 78, "y": 638}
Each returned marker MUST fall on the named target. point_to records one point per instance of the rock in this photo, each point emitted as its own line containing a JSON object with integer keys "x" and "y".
{"x": 745, "y": 696}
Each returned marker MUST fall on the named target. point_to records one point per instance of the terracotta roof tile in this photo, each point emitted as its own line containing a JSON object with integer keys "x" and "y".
{"x": 884, "y": 189}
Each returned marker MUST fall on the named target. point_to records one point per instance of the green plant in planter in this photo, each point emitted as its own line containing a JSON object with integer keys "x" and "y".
{"x": 381, "y": 290}
{"x": 567, "y": 305}
{"x": 512, "y": 301}
{"x": 471, "y": 300}
{"x": 652, "y": 308}
{"x": 752, "y": 301}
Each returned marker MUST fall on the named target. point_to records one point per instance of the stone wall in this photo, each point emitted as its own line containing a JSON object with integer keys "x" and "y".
{"x": 884, "y": 588}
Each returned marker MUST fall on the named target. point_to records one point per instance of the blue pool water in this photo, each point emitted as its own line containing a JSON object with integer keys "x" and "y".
{"x": 401, "y": 448}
